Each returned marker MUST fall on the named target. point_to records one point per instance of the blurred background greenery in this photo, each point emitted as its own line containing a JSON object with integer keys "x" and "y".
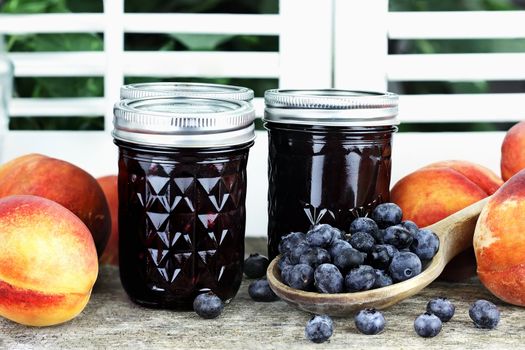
{"x": 94, "y": 86}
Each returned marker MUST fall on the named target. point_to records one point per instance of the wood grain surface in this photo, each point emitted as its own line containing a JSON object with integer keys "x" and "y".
{"x": 111, "y": 321}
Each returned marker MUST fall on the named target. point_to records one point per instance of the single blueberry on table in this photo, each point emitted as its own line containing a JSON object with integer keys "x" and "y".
{"x": 427, "y": 325}
{"x": 348, "y": 258}
{"x": 290, "y": 241}
{"x": 301, "y": 276}
{"x": 425, "y": 244}
{"x": 208, "y": 305}
{"x": 259, "y": 290}
{"x": 404, "y": 265}
{"x": 398, "y": 236}
{"x": 484, "y": 314}
{"x": 337, "y": 246}
{"x": 328, "y": 279}
{"x": 381, "y": 255}
{"x": 410, "y": 226}
{"x": 362, "y": 241}
{"x": 319, "y": 328}
{"x": 387, "y": 214}
{"x": 360, "y": 278}
{"x": 321, "y": 235}
{"x": 370, "y": 321}
{"x": 442, "y": 308}
{"x": 363, "y": 224}
{"x": 383, "y": 279}
{"x": 315, "y": 256}
{"x": 255, "y": 266}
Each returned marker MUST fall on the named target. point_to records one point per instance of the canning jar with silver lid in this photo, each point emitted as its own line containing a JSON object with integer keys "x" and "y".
{"x": 182, "y": 190}
{"x": 329, "y": 157}
{"x": 157, "y": 89}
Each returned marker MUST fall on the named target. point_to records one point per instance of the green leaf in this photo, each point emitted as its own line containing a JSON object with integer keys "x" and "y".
{"x": 201, "y": 42}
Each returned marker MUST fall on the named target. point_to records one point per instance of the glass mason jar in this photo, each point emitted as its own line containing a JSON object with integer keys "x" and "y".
{"x": 329, "y": 157}
{"x": 229, "y": 92}
{"x": 182, "y": 190}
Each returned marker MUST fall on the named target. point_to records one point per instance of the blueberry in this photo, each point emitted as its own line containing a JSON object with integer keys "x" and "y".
{"x": 380, "y": 236}
{"x": 382, "y": 279}
{"x": 425, "y": 244}
{"x": 381, "y": 255}
{"x": 398, "y": 236}
{"x": 442, "y": 308}
{"x": 255, "y": 266}
{"x": 284, "y": 261}
{"x": 362, "y": 241}
{"x": 297, "y": 251}
{"x": 404, "y": 265}
{"x": 337, "y": 246}
{"x": 364, "y": 225}
{"x": 301, "y": 276}
{"x": 484, "y": 314}
{"x": 410, "y": 226}
{"x": 285, "y": 274}
{"x": 208, "y": 305}
{"x": 360, "y": 278}
{"x": 319, "y": 328}
{"x": 259, "y": 290}
{"x": 427, "y": 325}
{"x": 321, "y": 235}
{"x": 387, "y": 214}
{"x": 348, "y": 258}
{"x": 315, "y": 256}
{"x": 370, "y": 321}
{"x": 328, "y": 279}
{"x": 290, "y": 240}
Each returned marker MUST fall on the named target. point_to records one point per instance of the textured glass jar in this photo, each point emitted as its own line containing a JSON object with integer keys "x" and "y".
{"x": 182, "y": 190}
{"x": 157, "y": 89}
{"x": 329, "y": 157}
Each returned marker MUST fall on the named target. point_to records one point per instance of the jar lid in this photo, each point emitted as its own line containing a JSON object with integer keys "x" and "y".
{"x": 229, "y": 92}
{"x": 331, "y": 107}
{"x": 184, "y": 122}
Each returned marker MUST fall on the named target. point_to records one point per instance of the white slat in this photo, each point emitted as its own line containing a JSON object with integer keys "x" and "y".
{"x": 305, "y": 44}
{"x": 96, "y": 153}
{"x": 237, "y": 24}
{"x": 457, "y": 25}
{"x": 51, "y": 23}
{"x": 57, "y": 107}
{"x": 442, "y": 67}
{"x": 158, "y": 64}
{"x": 202, "y": 64}
{"x": 462, "y": 108}
{"x": 361, "y": 44}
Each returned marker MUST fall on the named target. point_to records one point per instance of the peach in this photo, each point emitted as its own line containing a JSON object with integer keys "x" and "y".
{"x": 439, "y": 190}
{"x": 109, "y": 186}
{"x": 48, "y": 261}
{"x": 64, "y": 183}
{"x": 512, "y": 155}
{"x": 499, "y": 243}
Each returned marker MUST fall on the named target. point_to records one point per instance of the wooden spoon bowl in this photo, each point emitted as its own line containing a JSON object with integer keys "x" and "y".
{"x": 455, "y": 233}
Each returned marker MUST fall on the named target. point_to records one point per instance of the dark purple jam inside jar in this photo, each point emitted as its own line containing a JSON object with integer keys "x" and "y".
{"x": 329, "y": 157}
{"x": 182, "y": 190}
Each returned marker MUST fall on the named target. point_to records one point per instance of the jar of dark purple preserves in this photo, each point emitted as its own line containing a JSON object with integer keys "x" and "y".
{"x": 182, "y": 190}
{"x": 329, "y": 157}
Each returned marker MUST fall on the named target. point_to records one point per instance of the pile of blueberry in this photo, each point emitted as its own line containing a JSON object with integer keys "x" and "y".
{"x": 378, "y": 251}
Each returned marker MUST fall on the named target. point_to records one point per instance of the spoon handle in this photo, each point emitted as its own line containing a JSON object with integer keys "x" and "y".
{"x": 456, "y": 231}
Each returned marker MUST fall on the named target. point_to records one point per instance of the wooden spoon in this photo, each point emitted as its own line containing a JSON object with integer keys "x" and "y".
{"x": 455, "y": 233}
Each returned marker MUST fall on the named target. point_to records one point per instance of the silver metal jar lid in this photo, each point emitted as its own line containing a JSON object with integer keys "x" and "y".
{"x": 229, "y": 92}
{"x": 184, "y": 122}
{"x": 331, "y": 107}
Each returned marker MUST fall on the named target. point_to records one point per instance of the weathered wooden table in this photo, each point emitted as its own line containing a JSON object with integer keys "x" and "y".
{"x": 111, "y": 321}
